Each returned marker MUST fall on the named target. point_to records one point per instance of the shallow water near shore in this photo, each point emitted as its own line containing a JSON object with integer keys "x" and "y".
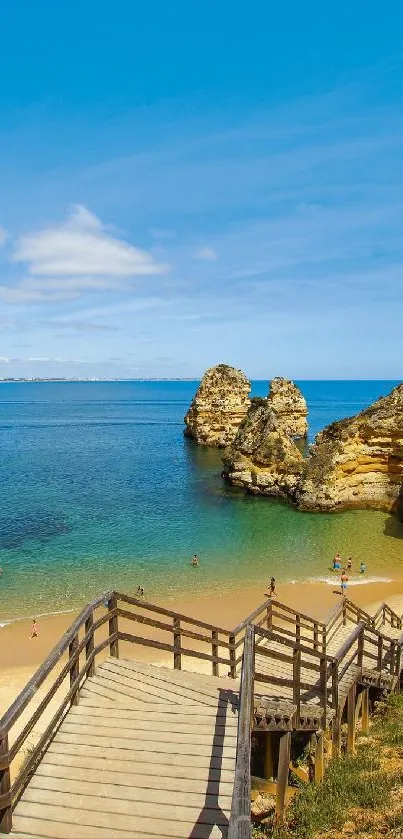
{"x": 100, "y": 489}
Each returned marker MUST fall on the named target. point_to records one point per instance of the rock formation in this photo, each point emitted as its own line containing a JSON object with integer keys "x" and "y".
{"x": 262, "y": 458}
{"x": 289, "y": 405}
{"x": 219, "y": 406}
{"x": 357, "y": 462}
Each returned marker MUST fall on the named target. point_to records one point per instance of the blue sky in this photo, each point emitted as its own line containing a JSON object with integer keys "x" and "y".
{"x": 188, "y": 183}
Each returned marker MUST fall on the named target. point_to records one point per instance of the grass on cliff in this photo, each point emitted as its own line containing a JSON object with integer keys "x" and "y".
{"x": 361, "y": 796}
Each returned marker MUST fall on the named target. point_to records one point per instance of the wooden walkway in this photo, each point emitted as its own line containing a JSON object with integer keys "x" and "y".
{"x": 140, "y": 750}
{"x": 147, "y": 752}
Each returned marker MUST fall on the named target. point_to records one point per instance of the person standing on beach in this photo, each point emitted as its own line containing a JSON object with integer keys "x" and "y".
{"x": 34, "y": 629}
{"x": 343, "y": 582}
{"x": 272, "y": 587}
{"x": 349, "y": 564}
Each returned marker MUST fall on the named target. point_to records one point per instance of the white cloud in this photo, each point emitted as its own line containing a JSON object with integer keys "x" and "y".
{"x": 77, "y": 256}
{"x": 206, "y": 254}
{"x": 4, "y": 360}
{"x": 3, "y": 236}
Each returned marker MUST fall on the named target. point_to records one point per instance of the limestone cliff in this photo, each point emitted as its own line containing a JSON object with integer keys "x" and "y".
{"x": 357, "y": 462}
{"x": 262, "y": 458}
{"x": 289, "y": 405}
{"x": 219, "y": 406}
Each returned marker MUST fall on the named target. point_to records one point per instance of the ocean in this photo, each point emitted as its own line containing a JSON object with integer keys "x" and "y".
{"x": 100, "y": 489}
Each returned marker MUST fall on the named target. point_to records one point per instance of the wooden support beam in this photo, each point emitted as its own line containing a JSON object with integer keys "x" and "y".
{"x": 5, "y": 788}
{"x": 113, "y": 626}
{"x": 282, "y": 774}
{"x": 319, "y": 757}
{"x": 268, "y": 757}
{"x": 351, "y": 720}
{"x": 177, "y": 644}
{"x": 214, "y": 650}
{"x": 365, "y": 711}
{"x": 336, "y": 736}
{"x": 75, "y": 668}
{"x": 232, "y": 657}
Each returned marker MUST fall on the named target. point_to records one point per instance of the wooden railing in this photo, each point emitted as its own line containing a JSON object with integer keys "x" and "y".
{"x": 73, "y": 660}
{"x": 240, "y": 819}
{"x": 69, "y": 678}
{"x": 386, "y": 615}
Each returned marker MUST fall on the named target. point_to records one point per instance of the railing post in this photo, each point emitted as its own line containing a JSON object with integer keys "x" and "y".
{"x": 296, "y": 689}
{"x": 360, "y": 649}
{"x": 74, "y": 669}
{"x": 89, "y": 647}
{"x": 365, "y": 711}
{"x": 380, "y": 653}
{"x": 323, "y": 688}
{"x": 398, "y": 665}
{"x": 392, "y": 665}
{"x": 324, "y": 640}
{"x": 269, "y": 615}
{"x": 344, "y": 612}
{"x": 214, "y": 650}
{"x": 335, "y": 687}
{"x": 351, "y": 720}
{"x": 113, "y": 626}
{"x": 5, "y": 787}
{"x": 232, "y": 656}
{"x": 297, "y": 629}
{"x": 177, "y": 644}
{"x": 315, "y": 636}
{"x": 319, "y": 757}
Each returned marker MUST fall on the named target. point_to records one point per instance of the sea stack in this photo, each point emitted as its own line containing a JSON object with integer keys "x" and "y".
{"x": 263, "y": 458}
{"x": 357, "y": 462}
{"x": 289, "y": 405}
{"x": 219, "y": 406}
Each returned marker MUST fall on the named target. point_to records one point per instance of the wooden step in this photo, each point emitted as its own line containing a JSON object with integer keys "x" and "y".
{"x": 163, "y": 759}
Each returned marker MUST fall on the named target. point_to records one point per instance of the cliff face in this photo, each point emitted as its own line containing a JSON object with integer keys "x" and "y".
{"x": 357, "y": 462}
{"x": 289, "y": 405}
{"x": 262, "y": 458}
{"x": 219, "y": 406}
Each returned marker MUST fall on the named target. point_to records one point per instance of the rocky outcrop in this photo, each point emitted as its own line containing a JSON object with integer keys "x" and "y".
{"x": 219, "y": 406}
{"x": 289, "y": 405}
{"x": 262, "y": 458}
{"x": 357, "y": 462}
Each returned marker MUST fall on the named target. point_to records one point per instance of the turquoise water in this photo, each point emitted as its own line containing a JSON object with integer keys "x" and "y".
{"x": 100, "y": 489}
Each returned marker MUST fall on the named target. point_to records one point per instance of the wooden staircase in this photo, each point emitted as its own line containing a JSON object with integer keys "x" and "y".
{"x": 134, "y": 749}
{"x": 147, "y": 752}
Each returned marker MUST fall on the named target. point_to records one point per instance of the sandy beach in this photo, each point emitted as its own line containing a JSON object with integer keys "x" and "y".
{"x": 20, "y": 656}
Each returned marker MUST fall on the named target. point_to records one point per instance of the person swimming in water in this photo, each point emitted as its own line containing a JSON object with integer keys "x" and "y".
{"x": 363, "y": 567}
{"x": 349, "y": 564}
{"x": 195, "y": 560}
{"x": 337, "y": 562}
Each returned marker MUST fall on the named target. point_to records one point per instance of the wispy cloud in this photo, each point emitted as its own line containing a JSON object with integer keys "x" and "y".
{"x": 78, "y": 256}
{"x": 206, "y": 254}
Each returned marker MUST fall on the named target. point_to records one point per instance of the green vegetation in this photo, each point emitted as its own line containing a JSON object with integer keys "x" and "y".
{"x": 361, "y": 795}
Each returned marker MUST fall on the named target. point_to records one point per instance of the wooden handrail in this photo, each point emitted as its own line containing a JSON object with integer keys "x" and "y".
{"x": 354, "y": 635}
{"x": 23, "y": 699}
{"x": 287, "y": 642}
{"x": 160, "y": 610}
{"x": 240, "y": 819}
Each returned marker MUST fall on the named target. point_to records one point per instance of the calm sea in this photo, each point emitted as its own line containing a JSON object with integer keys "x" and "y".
{"x": 100, "y": 489}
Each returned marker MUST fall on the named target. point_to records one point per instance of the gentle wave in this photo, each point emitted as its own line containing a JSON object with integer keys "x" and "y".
{"x": 353, "y": 581}
{"x": 41, "y": 615}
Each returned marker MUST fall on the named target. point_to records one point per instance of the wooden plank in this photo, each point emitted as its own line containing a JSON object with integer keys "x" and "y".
{"x": 157, "y": 683}
{"x": 181, "y": 725}
{"x": 138, "y": 710}
{"x": 124, "y": 752}
{"x": 135, "y": 744}
{"x": 119, "y": 761}
{"x": 151, "y": 736}
{"x": 183, "y": 676}
{"x": 82, "y": 825}
{"x": 122, "y": 792}
{"x": 95, "y": 806}
{"x": 76, "y": 769}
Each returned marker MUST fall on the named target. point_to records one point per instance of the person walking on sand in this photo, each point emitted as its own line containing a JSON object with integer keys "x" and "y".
{"x": 343, "y": 582}
{"x": 272, "y": 587}
{"x": 34, "y": 629}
